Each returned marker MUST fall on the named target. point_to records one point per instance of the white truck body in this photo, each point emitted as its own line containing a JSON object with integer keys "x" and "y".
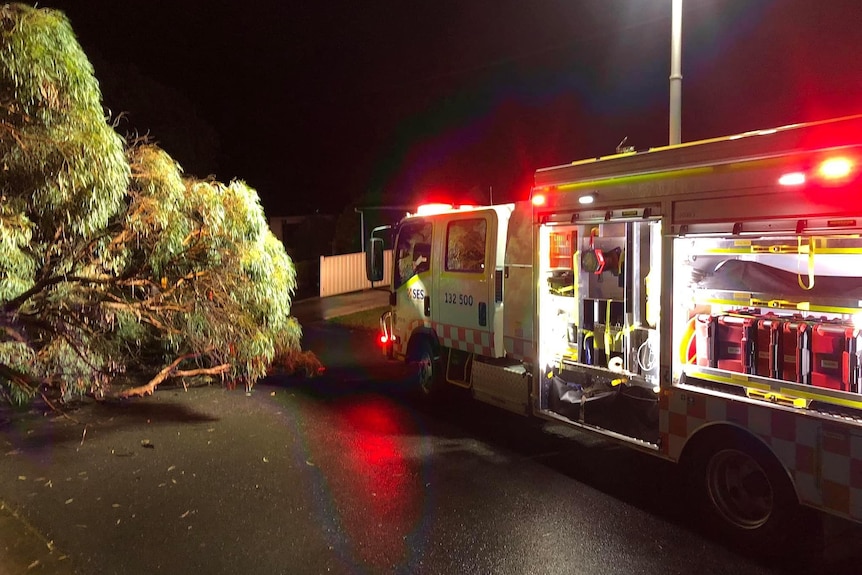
{"x": 709, "y": 294}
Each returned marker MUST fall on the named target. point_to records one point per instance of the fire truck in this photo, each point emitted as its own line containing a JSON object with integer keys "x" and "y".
{"x": 701, "y": 302}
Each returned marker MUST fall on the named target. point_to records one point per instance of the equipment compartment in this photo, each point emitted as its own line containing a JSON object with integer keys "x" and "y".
{"x": 780, "y": 308}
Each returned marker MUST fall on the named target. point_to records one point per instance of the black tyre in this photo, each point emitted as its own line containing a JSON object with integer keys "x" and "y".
{"x": 426, "y": 378}
{"x": 744, "y": 492}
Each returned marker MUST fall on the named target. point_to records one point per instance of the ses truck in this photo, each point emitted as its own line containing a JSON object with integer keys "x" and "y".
{"x": 700, "y": 302}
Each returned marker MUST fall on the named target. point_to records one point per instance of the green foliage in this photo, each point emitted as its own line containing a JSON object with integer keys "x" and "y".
{"x": 17, "y": 268}
{"x": 58, "y": 153}
{"x": 222, "y": 281}
{"x": 63, "y": 179}
{"x": 111, "y": 260}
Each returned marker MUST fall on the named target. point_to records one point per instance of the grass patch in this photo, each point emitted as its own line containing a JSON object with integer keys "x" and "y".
{"x": 368, "y": 319}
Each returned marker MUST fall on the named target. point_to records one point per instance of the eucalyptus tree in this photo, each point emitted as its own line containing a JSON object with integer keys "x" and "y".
{"x": 204, "y": 277}
{"x": 112, "y": 261}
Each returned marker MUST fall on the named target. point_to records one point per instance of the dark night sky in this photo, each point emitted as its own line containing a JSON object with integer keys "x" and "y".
{"x": 318, "y": 104}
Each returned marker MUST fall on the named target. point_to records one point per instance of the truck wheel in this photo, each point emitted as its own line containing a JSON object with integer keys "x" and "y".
{"x": 745, "y": 493}
{"x": 426, "y": 378}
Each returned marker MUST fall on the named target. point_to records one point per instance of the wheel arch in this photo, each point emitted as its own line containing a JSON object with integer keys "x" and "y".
{"x": 716, "y": 434}
{"x": 419, "y": 335}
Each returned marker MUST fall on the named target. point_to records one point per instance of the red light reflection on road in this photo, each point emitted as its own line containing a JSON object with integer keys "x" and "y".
{"x": 379, "y": 492}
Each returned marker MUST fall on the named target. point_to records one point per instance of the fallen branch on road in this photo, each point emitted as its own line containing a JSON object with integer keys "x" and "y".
{"x": 172, "y": 371}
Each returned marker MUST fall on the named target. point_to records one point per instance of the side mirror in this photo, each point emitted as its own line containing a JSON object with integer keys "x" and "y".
{"x": 374, "y": 260}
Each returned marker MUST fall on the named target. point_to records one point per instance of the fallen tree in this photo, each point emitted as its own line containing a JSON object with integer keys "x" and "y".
{"x": 112, "y": 261}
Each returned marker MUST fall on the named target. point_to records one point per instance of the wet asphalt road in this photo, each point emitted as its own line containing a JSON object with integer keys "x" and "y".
{"x": 347, "y": 474}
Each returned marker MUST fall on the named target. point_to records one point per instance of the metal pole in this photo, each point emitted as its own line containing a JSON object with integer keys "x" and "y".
{"x": 676, "y": 74}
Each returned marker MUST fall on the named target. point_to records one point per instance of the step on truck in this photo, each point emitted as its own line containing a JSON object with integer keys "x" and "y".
{"x": 700, "y": 302}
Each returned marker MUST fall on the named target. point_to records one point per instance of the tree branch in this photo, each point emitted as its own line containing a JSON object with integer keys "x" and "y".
{"x": 172, "y": 371}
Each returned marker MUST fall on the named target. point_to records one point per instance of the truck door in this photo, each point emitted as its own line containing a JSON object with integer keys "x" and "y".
{"x": 465, "y": 292}
{"x": 411, "y": 281}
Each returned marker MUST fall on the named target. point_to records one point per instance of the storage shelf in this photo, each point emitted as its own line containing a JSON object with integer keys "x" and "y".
{"x": 771, "y": 301}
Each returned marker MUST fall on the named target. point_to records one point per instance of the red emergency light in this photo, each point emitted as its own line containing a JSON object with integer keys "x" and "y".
{"x": 830, "y": 170}
{"x": 429, "y": 209}
{"x": 539, "y": 200}
{"x": 835, "y": 168}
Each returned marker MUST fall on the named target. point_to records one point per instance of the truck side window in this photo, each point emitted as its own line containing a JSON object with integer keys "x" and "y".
{"x": 413, "y": 251}
{"x": 422, "y": 257}
{"x": 465, "y": 246}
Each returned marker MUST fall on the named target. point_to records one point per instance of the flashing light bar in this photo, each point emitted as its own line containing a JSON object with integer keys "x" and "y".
{"x": 429, "y": 209}
{"x": 831, "y": 169}
{"x": 792, "y": 179}
{"x": 835, "y": 168}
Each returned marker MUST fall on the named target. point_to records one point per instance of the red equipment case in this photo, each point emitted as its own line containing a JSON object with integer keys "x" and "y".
{"x": 702, "y": 342}
{"x": 795, "y": 351}
{"x": 767, "y": 358}
{"x": 726, "y": 342}
{"x": 830, "y": 365}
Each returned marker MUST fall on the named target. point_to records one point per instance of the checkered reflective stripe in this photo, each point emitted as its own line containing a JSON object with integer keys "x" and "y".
{"x": 823, "y": 456}
{"x": 470, "y": 340}
{"x": 518, "y": 348}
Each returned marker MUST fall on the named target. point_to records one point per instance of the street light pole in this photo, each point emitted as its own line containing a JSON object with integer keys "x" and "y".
{"x": 676, "y": 73}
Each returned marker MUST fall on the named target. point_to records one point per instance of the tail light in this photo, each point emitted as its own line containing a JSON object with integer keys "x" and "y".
{"x": 386, "y": 338}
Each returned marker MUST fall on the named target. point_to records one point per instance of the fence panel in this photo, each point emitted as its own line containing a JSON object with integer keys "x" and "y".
{"x": 346, "y": 273}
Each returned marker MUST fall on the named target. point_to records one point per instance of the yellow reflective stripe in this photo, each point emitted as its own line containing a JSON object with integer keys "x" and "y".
{"x": 801, "y": 306}
{"x": 828, "y": 398}
{"x": 773, "y": 397}
{"x": 834, "y": 309}
{"x": 783, "y": 392}
{"x": 732, "y": 378}
{"x": 776, "y": 249}
{"x": 778, "y": 303}
{"x": 778, "y": 398}
{"x": 727, "y": 251}
{"x": 805, "y": 306}
{"x": 839, "y": 251}
{"x": 781, "y": 249}
{"x": 715, "y": 301}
